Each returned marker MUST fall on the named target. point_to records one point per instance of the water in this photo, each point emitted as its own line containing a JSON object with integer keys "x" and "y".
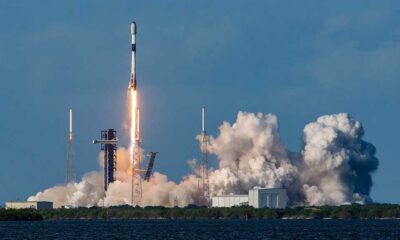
{"x": 202, "y": 229}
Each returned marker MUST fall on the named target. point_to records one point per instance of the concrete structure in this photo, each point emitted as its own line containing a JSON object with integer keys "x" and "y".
{"x": 230, "y": 200}
{"x": 29, "y": 204}
{"x": 268, "y": 197}
{"x": 257, "y": 198}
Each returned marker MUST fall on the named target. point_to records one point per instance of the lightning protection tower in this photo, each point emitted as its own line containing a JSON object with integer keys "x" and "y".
{"x": 204, "y": 160}
{"x": 70, "y": 177}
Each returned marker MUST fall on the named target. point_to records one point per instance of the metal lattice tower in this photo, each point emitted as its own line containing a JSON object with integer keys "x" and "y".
{"x": 204, "y": 160}
{"x": 70, "y": 177}
{"x": 136, "y": 192}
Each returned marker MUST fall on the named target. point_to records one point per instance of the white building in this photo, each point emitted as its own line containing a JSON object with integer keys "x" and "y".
{"x": 268, "y": 197}
{"x": 257, "y": 198}
{"x": 230, "y": 200}
{"x": 29, "y": 204}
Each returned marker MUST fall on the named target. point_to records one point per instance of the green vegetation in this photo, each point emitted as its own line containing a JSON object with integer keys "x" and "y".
{"x": 19, "y": 215}
{"x": 354, "y": 211}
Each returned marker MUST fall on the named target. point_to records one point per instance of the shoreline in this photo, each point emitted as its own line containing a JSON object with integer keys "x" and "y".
{"x": 355, "y": 211}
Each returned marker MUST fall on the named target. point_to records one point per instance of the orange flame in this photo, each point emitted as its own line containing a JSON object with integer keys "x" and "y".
{"x": 134, "y": 130}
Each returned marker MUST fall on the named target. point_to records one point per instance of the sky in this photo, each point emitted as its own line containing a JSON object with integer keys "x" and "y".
{"x": 296, "y": 59}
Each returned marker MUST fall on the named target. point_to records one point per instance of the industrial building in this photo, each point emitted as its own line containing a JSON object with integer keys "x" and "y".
{"x": 230, "y": 200}
{"x": 268, "y": 197}
{"x": 257, "y": 198}
{"x": 29, "y": 204}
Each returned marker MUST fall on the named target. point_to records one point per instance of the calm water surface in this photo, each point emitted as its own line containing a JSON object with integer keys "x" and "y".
{"x": 202, "y": 229}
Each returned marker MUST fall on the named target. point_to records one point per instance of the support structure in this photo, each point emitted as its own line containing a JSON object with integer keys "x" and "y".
{"x": 150, "y": 166}
{"x": 204, "y": 160}
{"x": 109, "y": 146}
{"x": 136, "y": 192}
{"x": 70, "y": 177}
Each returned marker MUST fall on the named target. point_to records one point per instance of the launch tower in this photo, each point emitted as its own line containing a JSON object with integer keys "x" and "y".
{"x": 110, "y": 156}
{"x": 109, "y": 146}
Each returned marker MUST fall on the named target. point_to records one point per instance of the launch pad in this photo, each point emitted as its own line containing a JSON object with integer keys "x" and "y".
{"x": 109, "y": 139}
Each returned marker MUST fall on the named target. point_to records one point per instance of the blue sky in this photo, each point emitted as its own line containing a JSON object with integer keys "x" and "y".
{"x": 296, "y": 59}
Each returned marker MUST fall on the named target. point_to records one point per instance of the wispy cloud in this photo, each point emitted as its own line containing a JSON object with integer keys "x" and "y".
{"x": 358, "y": 48}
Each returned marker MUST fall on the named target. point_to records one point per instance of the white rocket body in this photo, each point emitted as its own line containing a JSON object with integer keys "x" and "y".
{"x": 132, "y": 82}
{"x": 70, "y": 135}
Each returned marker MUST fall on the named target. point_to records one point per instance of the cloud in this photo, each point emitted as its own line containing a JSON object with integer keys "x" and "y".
{"x": 358, "y": 48}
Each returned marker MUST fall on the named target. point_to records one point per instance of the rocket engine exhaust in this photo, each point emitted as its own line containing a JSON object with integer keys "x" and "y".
{"x": 132, "y": 96}
{"x": 135, "y": 149}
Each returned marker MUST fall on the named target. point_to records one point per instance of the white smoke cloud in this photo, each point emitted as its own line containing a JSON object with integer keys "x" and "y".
{"x": 159, "y": 191}
{"x": 250, "y": 154}
{"x": 334, "y": 167}
{"x": 336, "y": 161}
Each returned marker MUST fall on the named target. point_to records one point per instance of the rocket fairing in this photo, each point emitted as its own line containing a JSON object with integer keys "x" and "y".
{"x": 132, "y": 82}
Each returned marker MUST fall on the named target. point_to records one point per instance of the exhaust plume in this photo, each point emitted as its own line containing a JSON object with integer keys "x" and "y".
{"x": 333, "y": 167}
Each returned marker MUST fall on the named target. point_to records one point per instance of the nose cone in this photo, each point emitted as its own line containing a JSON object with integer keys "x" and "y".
{"x": 133, "y": 28}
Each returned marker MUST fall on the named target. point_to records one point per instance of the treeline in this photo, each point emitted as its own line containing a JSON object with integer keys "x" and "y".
{"x": 20, "y": 214}
{"x": 354, "y": 211}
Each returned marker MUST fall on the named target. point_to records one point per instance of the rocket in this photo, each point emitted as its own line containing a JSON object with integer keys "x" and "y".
{"x": 132, "y": 81}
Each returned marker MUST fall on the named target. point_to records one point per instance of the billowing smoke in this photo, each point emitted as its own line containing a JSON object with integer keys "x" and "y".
{"x": 250, "y": 154}
{"x": 333, "y": 167}
{"x": 336, "y": 162}
{"x": 159, "y": 191}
